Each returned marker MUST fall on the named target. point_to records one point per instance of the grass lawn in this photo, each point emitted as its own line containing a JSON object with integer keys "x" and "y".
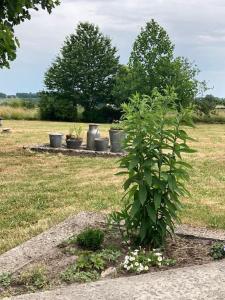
{"x": 39, "y": 190}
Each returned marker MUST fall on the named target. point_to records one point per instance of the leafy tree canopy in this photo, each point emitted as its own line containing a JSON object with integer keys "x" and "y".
{"x": 85, "y": 68}
{"x": 152, "y": 64}
{"x": 13, "y": 12}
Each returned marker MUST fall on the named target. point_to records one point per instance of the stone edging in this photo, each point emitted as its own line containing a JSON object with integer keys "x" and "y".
{"x": 73, "y": 152}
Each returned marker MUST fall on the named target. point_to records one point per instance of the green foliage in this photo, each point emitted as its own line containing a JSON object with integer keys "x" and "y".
{"x": 85, "y": 68}
{"x": 89, "y": 265}
{"x": 152, "y": 52}
{"x": 206, "y": 106}
{"x": 24, "y": 103}
{"x": 124, "y": 85}
{"x": 218, "y": 251}
{"x": 57, "y": 108}
{"x": 117, "y": 125}
{"x": 90, "y": 261}
{"x": 152, "y": 64}
{"x": 105, "y": 114}
{"x": 35, "y": 278}
{"x": 90, "y": 239}
{"x": 2, "y": 95}
{"x": 75, "y": 131}
{"x": 13, "y": 13}
{"x": 154, "y": 165}
{"x": 110, "y": 255}
{"x": 140, "y": 260}
{"x": 5, "y": 280}
{"x": 71, "y": 275}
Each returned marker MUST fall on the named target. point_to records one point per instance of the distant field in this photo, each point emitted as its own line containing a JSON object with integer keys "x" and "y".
{"x": 39, "y": 190}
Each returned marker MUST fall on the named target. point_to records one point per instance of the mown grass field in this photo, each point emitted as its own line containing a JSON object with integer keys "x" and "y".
{"x": 39, "y": 190}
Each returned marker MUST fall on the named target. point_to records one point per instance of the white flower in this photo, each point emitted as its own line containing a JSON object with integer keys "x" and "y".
{"x": 128, "y": 268}
{"x": 149, "y": 259}
{"x": 159, "y": 258}
{"x": 136, "y": 264}
{"x": 158, "y": 254}
{"x": 146, "y": 268}
{"x": 132, "y": 258}
{"x": 159, "y": 264}
{"x": 141, "y": 267}
{"x": 127, "y": 257}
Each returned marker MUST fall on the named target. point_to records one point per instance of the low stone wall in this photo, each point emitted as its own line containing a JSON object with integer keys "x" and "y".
{"x": 73, "y": 152}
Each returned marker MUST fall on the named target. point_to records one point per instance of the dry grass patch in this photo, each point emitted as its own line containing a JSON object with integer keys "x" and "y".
{"x": 39, "y": 190}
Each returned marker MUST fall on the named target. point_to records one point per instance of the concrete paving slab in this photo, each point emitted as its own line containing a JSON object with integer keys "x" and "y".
{"x": 20, "y": 256}
{"x": 190, "y": 283}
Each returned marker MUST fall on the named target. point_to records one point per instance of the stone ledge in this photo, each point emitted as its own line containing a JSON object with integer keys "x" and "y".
{"x": 73, "y": 152}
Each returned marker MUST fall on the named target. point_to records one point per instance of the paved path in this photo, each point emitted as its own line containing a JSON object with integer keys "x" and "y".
{"x": 190, "y": 283}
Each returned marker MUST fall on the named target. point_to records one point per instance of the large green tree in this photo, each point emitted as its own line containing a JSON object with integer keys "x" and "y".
{"x": 86, "y": 67}
{"x": 152, "y": 64}
{"x": 13, "y": 12}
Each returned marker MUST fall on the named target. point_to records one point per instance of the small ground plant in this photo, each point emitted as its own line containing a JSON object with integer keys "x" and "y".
{"x": 34, "y": 279}
{"x": 155, "y": 142}
{"x": 218, "y": 251}
{"x": 89, "y": 265}
{"x": 90, "y": 238}
{"x": 140, "y": 260}
{"x": 5, "y": 279}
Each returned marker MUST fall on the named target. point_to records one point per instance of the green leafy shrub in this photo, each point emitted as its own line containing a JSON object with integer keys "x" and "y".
{"x": 206, "y": 106}
{"x": 71, "y": 275}
{"x": 90, "y": 239}
{"x": 110, "y": 255}
{"x": 35, "y": 278}
{"x": 156, "y": 172}
{"x": 5, "y": 279}
{"x": 57, "y": 108}
{"x": 218, "y": 251}
{"x": 89, "y": 262}
{"x": 105, "y": 114}
{"x": 87, "y": 268}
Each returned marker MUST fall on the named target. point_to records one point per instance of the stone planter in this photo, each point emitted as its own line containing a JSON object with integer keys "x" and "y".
{"x": 56, "y": 140}
{"x": 101, "y": 144}
{"x": 92, "y": 134}
{"x": 74, "y": 143}
{"x": 117, "y": 137}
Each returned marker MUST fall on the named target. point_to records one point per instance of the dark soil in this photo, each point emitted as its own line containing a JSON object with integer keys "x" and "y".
{"x": 187, "y": 251}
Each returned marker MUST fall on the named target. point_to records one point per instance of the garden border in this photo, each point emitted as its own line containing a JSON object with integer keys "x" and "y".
{"x": 20, "y": 256}
{"x": 72, "y": 152}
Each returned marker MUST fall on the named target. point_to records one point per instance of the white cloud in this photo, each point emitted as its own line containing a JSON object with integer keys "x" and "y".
{"x": 196, "y": 27}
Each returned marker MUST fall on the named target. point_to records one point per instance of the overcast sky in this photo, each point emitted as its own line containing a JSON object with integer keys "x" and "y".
{"x": 197, "y": 27}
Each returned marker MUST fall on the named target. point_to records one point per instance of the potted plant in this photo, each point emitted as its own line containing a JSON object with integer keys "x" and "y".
{"x": 74, "y": 138}
{"x": 116, "y": 135}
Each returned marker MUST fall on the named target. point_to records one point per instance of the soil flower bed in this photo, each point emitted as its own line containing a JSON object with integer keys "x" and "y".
{"x": 99, "y": 253}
